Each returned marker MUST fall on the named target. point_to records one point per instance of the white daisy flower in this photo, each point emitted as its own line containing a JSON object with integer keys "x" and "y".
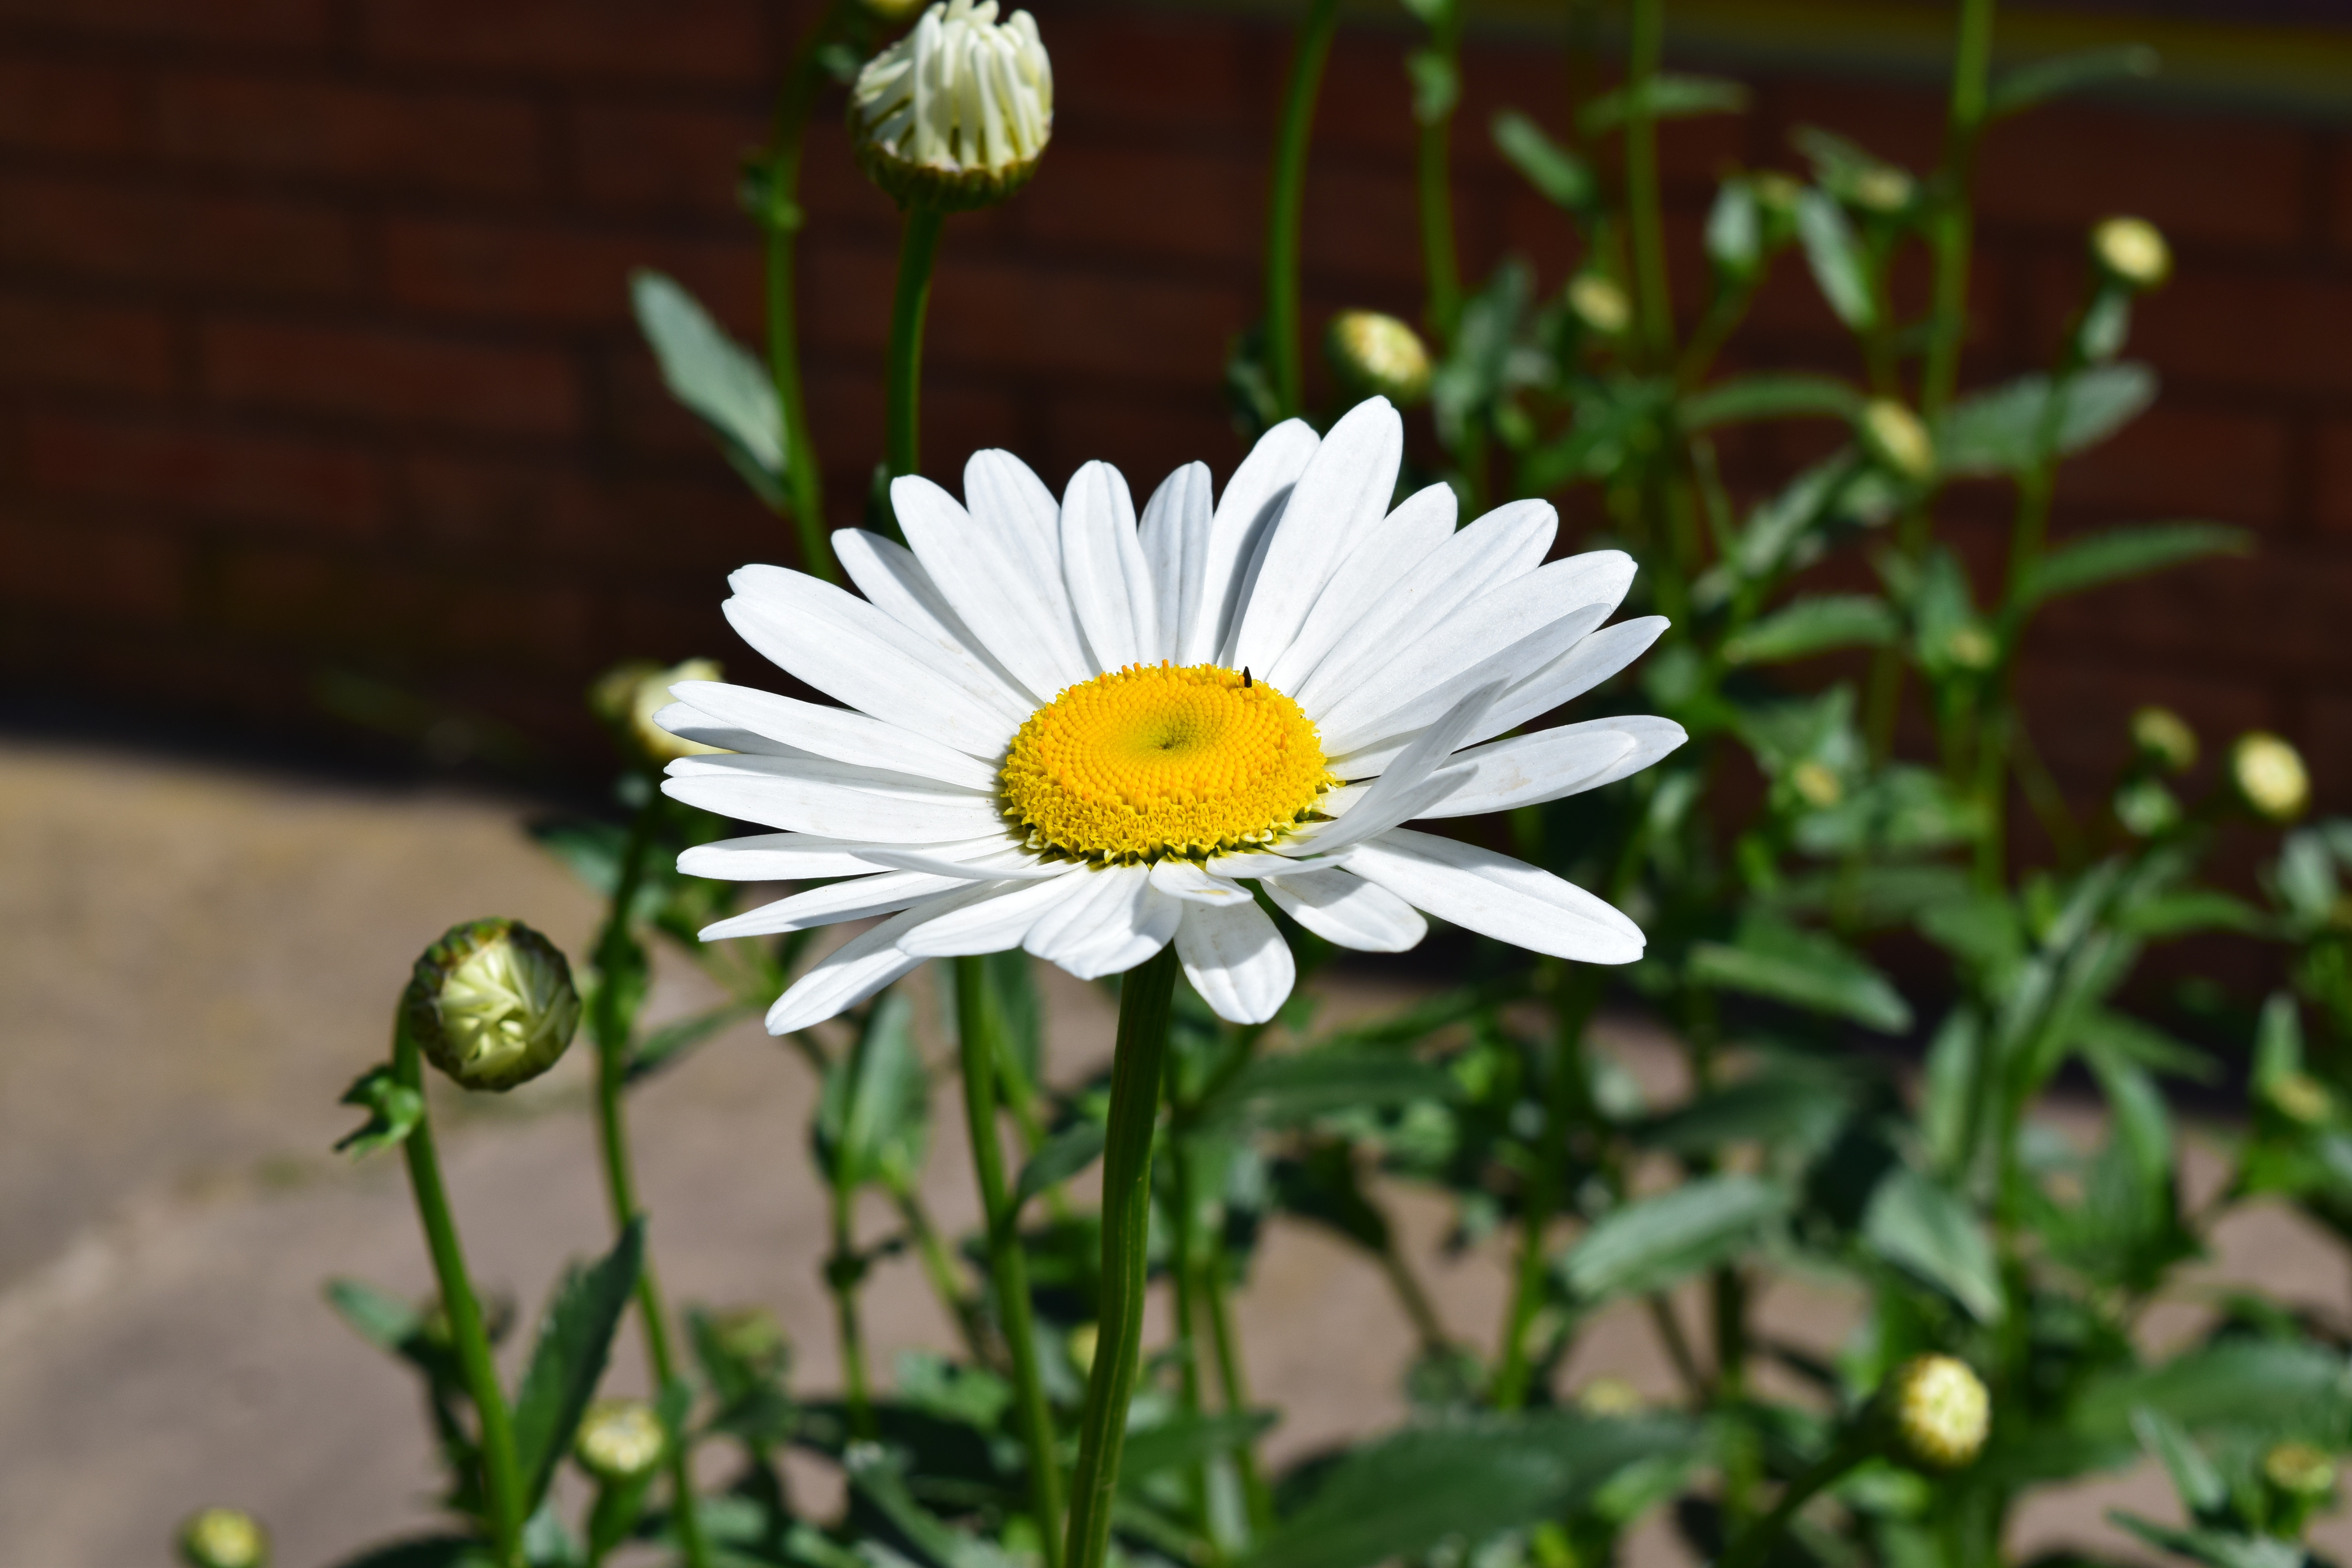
{"x": 1064, "y": 732}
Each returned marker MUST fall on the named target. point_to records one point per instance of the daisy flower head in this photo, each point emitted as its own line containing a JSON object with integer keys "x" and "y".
{"x": 1069, "y": 730}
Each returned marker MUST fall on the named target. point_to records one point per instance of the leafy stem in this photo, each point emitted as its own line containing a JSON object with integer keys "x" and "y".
{"x": 1285, "y": 200}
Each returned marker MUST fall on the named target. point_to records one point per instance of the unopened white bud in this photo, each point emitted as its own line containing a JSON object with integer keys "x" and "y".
{"x": 620, "y": 1440}
{"x": 2300, "y": 1097}
{"x": 1817, "y": 783}
{"x": 627, "y": 695}
{"x": 2132, "y": 251}
{"x": 1600, "y": 303}
{"x": 2164, "y": 738}
{"x": 1897, "y": 439}
{"x": 1610, "y": 1396}
{"x": 955, "y": 115}
{"x": 2270, "y": 776}
{"x": 1883, "y": 190}
{"x": 1939, "y": 1411}
{"x": 1378, "y": 355}
{"x": 491, "y": 1004}
{"x": 224, "y": 1538}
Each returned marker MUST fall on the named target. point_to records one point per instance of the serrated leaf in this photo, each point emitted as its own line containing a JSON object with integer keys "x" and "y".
{"x": 1062, "y": 1156}
{"x": 575, "y": 1339}
{"x": 1835, "y": 255}
{"x": 2037, "y": 81}
{"x": 1650, "y": 1243}
{"x": 1915, "y": 1224}
{"x": 1767, "y": 397}
{"x": 1815, "y": 625}
{"x": 2088, "y": 560}
{"x": 1287, "y": 1090}
{"x": 716, "y": 378}
{"x": 1663, "y": 96}
{"x": 1399, "y": 1496}
{"x": 394, "y": 1110}
{"x": 1803, "y": 968}
{"x": 2001, "y": 430}
{"x": 1558, "y": 174}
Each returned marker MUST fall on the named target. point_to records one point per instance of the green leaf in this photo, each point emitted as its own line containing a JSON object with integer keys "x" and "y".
{"x": 1919, "y": 1227}
{"x": 2002, "y": 431}
{"x": 1436, "y": 85}
{"x": 1803, "y": 968}
{"x": 1558, "y": 174}
{"x": 878, "y": 1475}
{"x": 665, "y": 1045}
{"x": 1409, "y": 1026}
{"x": 394, "y": 1110}
{"x": 716, "y": 378}
{"x": 1650, "y": 1243}
{"x": 1836, "y": 257}
{"x": 1663, "y": 96}
{"x": 1287, "y": 1090}
{"x": 575, "y": 1339}
{"x": 1062, "y": 1156}
{"x": 1399, "y": 1496}
{"x": 1792, "y": 1102}
{"x": 383, "y": 1320}
{"x": 1186, "y": 1440}
{"x": 2214, "y": 1548}
{"x": 2199, "y": 1486}
{"x": 2190, "y": 910}
{"x": 425, "y": 1552}
{"x": 1767, "y": 397}
{"x": 2268, "y": 1387}
{"x": 872, "y": 1120}
{"x": 2278, "y": 1041}
{"x": 1815, "y": 625}
{"x": 2037, "y": 81}
{"x": 2101, "y": 1030}
{"x": 2091, "y": 559}
{"x": 1734, "y": 229}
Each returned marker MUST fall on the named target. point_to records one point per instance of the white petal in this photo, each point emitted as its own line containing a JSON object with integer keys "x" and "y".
{"x": 1010, "y": 863}
{"x": 1183, "y": 879}
{"x": 690, "y": 724}
{"x": 1236, "y": 958}
{"x": 854, "y": 971}
{"x": 1403, "y": 540}
{"x": 993, "y": 924}
{"x": 1254, "y": 863}
{"x": 799, "y": 856}
{"x": 1340, "y": 907}
{"x": 1102, "y": 562}
{"x": 1006, "y": 491}
{"x": 855, "y": 899}
{"x": 1502, "y": 546}
{"x": 1551, "y": 764}
{"x": 1343, "y": 493}
{"x": 887, "y": 574}
{"x": 989, "y": 575}
{"x": 1175, "y": 536}
{"x": 1120, "y": 921}
{"x": 1512, "y": 632}
{"x": 1408, "y": 789}
{"x": 810, "y": 795}
{"x": 835, "y": 732}
{"x": 1496, "y": 896}
{"x": 854, "y": 654}
{"x": 1252, "y": 500}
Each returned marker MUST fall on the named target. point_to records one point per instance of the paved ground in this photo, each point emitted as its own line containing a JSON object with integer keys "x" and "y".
{"x": 195, "y": 963}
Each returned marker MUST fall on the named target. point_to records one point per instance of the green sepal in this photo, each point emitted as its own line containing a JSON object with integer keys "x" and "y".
{"x": 394, "y": 1110}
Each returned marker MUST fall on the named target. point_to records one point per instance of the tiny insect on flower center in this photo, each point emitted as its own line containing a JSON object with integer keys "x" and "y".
{"x": 1155, "y": 762}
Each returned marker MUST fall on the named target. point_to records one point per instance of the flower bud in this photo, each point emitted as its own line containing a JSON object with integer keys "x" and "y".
{"x": 752, "y": 1337}
{"x": 620, "y": 1440}
{"x": 1970, "y": 646}
{"x": 1777, "y": 192}
{"x": 1939, "y": 1412}
{"x": 1599, "y": 303}
{"x": 1897, "y": 439}
{"x": 1817, "y": 783}
{"x": 1610, "y": 1396}
{"x": 491, "y": 1004}
{"x": 2269, "y": 777}
{"x": 2164, "y": 739}
{"x": 2301, "y": 1471}
{"x": 224, "y": 1538}
{"x": 955, "y": 115}
{"x": 1883, "y": 190}
{"x": 2132, "y": 251}
{"x": 627, "y": 695}
{"x": 2145, "y": 808}
{"x": 1378, "y": 355}
{"x": 891, "y": 13}
{"x": 2300, "y": 1097}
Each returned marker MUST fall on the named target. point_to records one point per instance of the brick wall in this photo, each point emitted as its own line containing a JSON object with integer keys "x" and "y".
{"x": 314, "y": 351}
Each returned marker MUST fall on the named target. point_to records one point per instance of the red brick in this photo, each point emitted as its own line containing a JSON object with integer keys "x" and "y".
{"x": 1027, "y": 319}
{"x": 243, "y": 244}
{"x": 2333, "y": 505}
{"x": 2278, "y": 331}
{"x": 1179, "y": 205}
{"x": 2079, "y": 705}
{"x": 60, "y": 107}
{"x": 109, "y": 573}
{"x": 643, "y": 155}
{"x": 2276, "y": 615}
{"x": 390, "y": 376}
{"x": 2326, "y": 737}
{"x": 457, "y": 141}
{"x": 2339, "y": 204}
{"x": 1146, "y": 439}
{"x": 508, "y": 272}
{"x": 700, "y": 41}
{"x": 534, "y": 511}
{"x": 301, "y": 24}
{"x": 2194, "y": 177}
{"x": 2184, "y": 462}
{"x": 310, "y": 485}
{"x": 97, "y": 348}
{"x": 1903, "y": 126}
{"x": 1133, "y": 66}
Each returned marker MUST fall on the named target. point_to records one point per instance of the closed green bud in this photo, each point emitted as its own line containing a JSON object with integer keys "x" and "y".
{"x": 2145, "y": 808}
{"x": 2132, "y": 251}
{"x": 491, "y": 1004}
{"x": 2300, "y": 1097}
{"x": 2269, "y": 777}
{"x": 1817, "y": 783}
{"x": 2164, "y": 739}
{"x": 224, "y": 1538}
{"x": 620, "y": 1441}
{"x": 1897, "y": 439}
{"x": 753, "y": 1337}
{"x": 1597, "y": 301}
{"x": 1378, "y": 355}
{"x": 956, "y": 114}
{"x": 1937, "y": 1412}
{"x": 2300, "y": 1471}
{"x": 1881, "y": 189}
{"x": 627, "y": 695}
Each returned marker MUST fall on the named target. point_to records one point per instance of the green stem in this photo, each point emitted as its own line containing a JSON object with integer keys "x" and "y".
{"x": 842, "y": 1270}
{"x": 1575, "y": 993}
{"x": 1441, "y": 267}
{"x": 501, "y": 1475}
{"x": 938, "y": 1267}
{"x": 1233, "y": 1385}
{"x": 918, "y": 247}
{"x": 783, "y": 221}
{"x": 1008, "y": 1268}
{"x": 1653, "y": 294}
{"x": 1137, "y": 1067}
{"x": 1750, "y": 1547}
{"x": 1289, "y": 189}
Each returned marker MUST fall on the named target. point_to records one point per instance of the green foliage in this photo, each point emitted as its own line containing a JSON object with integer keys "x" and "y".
{"x": 567, "y": 1363}
{"x": 718, "y": 380}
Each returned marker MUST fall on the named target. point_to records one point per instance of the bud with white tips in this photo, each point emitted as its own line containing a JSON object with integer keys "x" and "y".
{"x": 2269, "y": 777}
{"x": 1937, "y": 1412}
{"x": 1599, "y": 302}
{"x": 491, "y": 1004}
{"x": 224, "y": 1538}
{"x": 620, "y": 1441}
{"x": 2164, "y": 739}
{"x": 627, "y": 695}
{"x": 956, "y": 114}
{"x": 1377, "y": 355}
{"x": 1897, "y": 440}
{"x": 2132, "y": 251}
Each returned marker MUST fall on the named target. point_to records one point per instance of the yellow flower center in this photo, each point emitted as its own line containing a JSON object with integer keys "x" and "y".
{"x": 1152, "y": 761}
